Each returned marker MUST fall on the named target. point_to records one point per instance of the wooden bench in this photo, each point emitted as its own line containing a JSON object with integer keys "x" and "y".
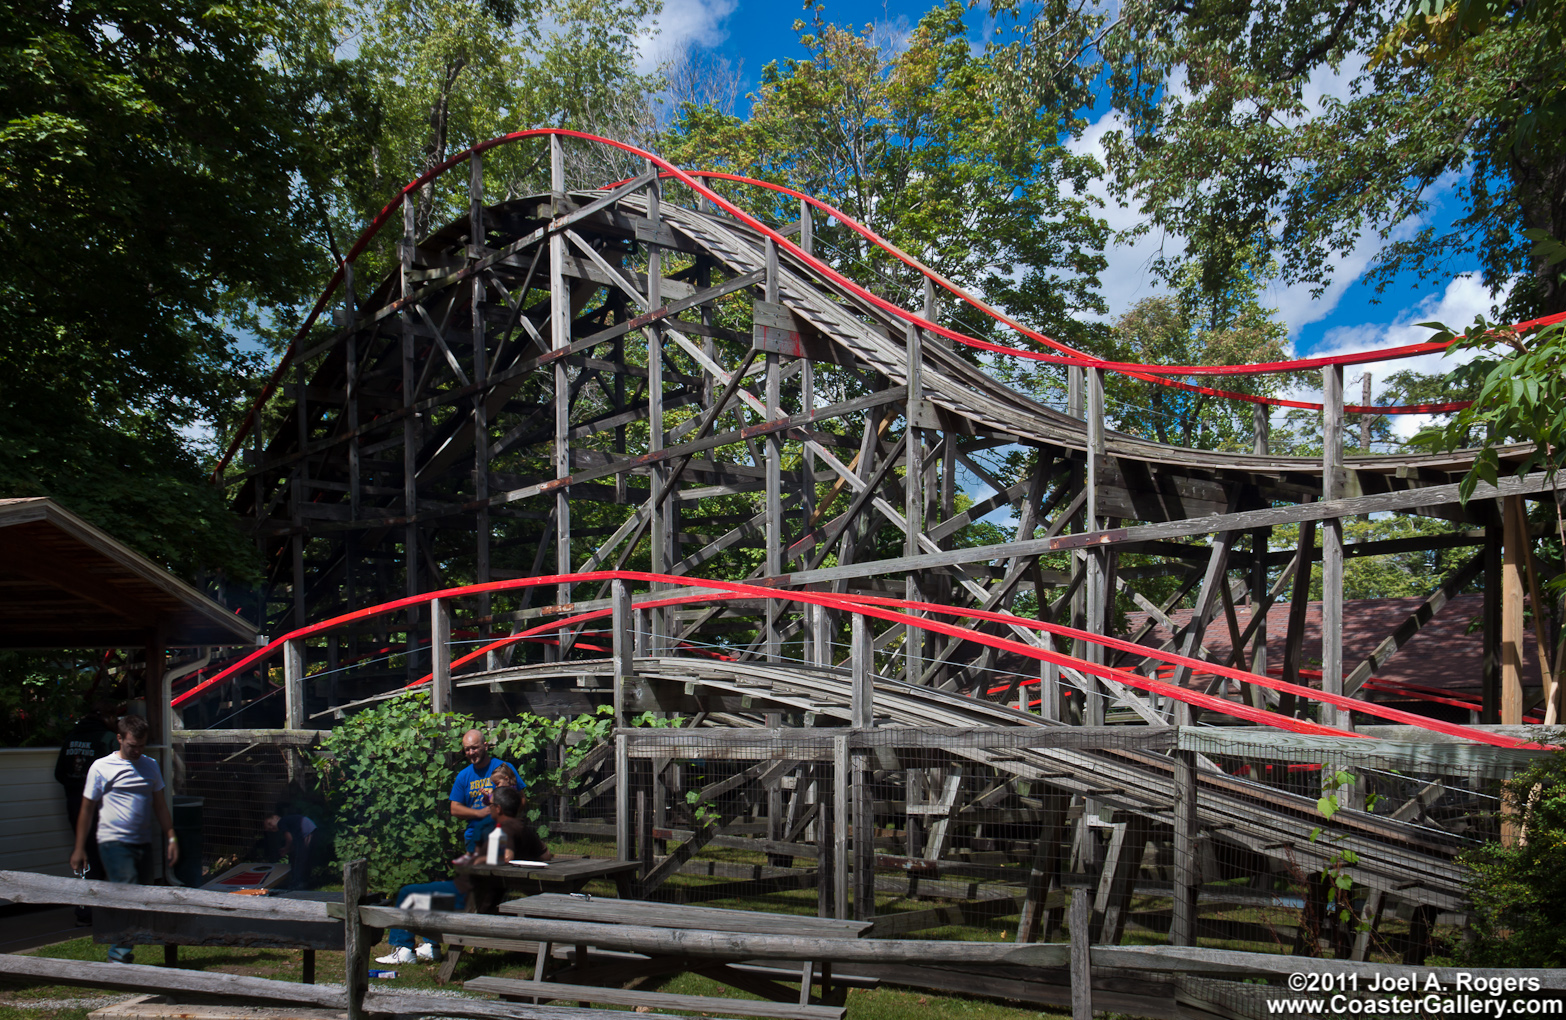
{"x": 544, "y": 991}
{"x": 578, "y": 907}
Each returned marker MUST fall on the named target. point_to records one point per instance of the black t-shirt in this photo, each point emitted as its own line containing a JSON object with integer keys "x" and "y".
{"x": 89, "y": 740}
{"x": 523, "y": 840}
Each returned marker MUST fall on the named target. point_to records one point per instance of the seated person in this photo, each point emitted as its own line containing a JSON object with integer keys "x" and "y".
{"x": 473, "y": 783}
{"x": 300, "y": 845}
{"x": 521, "y": 843}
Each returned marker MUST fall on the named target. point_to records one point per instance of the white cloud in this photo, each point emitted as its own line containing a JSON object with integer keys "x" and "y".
{"x": 1463, "y": 298}
{"x": 683, "y": 24}
{"x": 1129, "y": 276}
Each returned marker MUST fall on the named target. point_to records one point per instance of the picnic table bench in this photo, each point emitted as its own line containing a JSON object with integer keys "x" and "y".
{"x": 587, "y": 980}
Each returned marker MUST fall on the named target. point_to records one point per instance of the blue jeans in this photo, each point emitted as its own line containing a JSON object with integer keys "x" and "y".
{"x": 127, "y": 864}
{"x": 402, "y": 938}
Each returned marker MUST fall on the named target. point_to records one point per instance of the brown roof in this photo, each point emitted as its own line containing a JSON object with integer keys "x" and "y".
{"x": 66, "y": 584}
{"x": 1445, "y": 653}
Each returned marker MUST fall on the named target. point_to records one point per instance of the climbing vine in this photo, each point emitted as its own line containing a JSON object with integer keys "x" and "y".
{"x": 389, "y": 770}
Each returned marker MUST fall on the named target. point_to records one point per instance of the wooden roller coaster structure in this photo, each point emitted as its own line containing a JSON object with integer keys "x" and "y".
{"x": 624, "y": 396}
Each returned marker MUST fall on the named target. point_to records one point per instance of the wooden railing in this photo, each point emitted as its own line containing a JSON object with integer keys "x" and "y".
{"x": 362, "y": 921}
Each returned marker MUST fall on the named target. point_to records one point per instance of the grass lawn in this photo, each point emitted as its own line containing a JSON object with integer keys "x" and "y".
{"x": 37, "y": 1001}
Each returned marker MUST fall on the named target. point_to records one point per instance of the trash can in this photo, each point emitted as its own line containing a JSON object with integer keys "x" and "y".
{"x": 187, "y": 826}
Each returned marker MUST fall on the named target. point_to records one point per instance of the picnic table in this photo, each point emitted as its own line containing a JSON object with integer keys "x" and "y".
{"x": 587, "y": 976}
{"x": 489, "y": 884}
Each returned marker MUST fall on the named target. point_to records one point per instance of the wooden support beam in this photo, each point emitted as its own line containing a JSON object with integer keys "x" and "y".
{"x": 1332, "y": 548}
{"x": 357, "y": 942}
{"x": 1081, "y": 956}
{"x": 1514, "y": 535}
{"x": 440, "y": 655}
{"x": 1206, "y": 599}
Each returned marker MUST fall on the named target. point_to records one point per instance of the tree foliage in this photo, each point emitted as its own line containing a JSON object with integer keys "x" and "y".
{"x": 146, "y": 202}
{"x": 389, "y": 780}
{"x": 935, "y": 147}
{"x": 1517, "y": 892}
{"x": 1303, "y": 131}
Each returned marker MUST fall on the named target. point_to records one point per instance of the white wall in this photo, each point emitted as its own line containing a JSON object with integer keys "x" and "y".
{"x": 33, "y": 833}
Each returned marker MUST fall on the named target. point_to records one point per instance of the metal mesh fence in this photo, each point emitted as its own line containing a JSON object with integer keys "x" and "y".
{"x": 238, "y": 785}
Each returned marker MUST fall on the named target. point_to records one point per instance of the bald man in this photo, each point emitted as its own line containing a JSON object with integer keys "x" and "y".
{"x": 470, "y": 792}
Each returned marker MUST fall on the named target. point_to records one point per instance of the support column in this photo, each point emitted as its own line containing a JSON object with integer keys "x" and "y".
{"x": 440, "y": 656}
{"x": 841, "y": 766}
{"x": 1097, "y": 559}
{"x": 624, "y": 645}
{"x": 410, "y": 439}
{"x": 1332, "y": 548}
{"x": 1187, "y": 880}
{"x": 862, "y": 705}
{"x": 913, "y": 498}
{"x": 662, "y": 521}
{"x": 622, "y": 797}
{"x": 773, "y": 468}
{"x": 1513, "y": 551}
{"x": 351, "y": 410}
{"x": 807, "y": 390}
{"x": 476, "y": 251}
{"x": 560, "y": 337}
{"x": 293, "y": 683}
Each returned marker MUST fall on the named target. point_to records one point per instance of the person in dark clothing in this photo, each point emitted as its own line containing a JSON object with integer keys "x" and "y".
{"x": 90, "y": 739}
{"x": 522, "y": 844}
{"x": 301, "y": 845}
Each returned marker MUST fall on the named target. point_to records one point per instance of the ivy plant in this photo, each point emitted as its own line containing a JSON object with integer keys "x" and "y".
{"x": 390, "y": 769}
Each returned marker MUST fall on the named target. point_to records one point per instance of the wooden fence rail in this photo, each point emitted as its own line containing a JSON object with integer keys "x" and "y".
{"x": 360, "y": 919}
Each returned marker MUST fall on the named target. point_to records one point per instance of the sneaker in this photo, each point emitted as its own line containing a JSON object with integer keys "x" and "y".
{"x": 402, "y": 954}
{"x": 428, "y": 952}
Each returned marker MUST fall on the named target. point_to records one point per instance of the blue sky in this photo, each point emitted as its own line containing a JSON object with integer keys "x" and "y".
{"x": 1347, "y": 317}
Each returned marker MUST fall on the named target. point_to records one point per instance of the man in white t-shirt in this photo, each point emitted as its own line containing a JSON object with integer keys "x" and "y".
{"x": 123, "y": 797}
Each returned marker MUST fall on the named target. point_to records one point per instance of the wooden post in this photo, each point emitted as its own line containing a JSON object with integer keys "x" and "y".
{"x": 410, "y": 435}
{"x": 624, "y": 645}
{"x": 622, "y": 797}
{"x": 773, "y": 470}
{"x": 293, "y": 683}
{"x": 440, "y": 656}
{"x": 913, "y": 499}
{"x": 662, "y": 514}
{"x": 862, "y": 661}
{"x": 1513, "y": 537}
{"x": 1490, "y": 616}
{"x": 476, "y": 251}
{"x": 1187, "y": 873}
{"x": 1081, "y": 955}
{"x": 644, "y": 843}
{"x": 560, "y": 338}
{"x": 827, "y": 855}
{"x": 840, "y": 768}
{"x": 1044, "y": 873}
{"x": 864, "y": 840}
{"x": 1332, "y": 548}
{"x": 356, "y": 942}
{"x": 1097, "y": 560}
{"x": 1299, "y": 603}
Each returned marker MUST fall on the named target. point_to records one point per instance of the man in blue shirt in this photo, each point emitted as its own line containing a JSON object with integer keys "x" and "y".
{"x": 473, "y": 784}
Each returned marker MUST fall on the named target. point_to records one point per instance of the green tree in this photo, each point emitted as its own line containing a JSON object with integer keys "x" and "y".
{"x": 928, "y": 146}
{"x": 1518, "y": 891}
{"x": 1195, "y": 327}
{"x": 1227, "y": 145}
{"x": 409, "y": 83}
{"x": 146, "y": 206}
